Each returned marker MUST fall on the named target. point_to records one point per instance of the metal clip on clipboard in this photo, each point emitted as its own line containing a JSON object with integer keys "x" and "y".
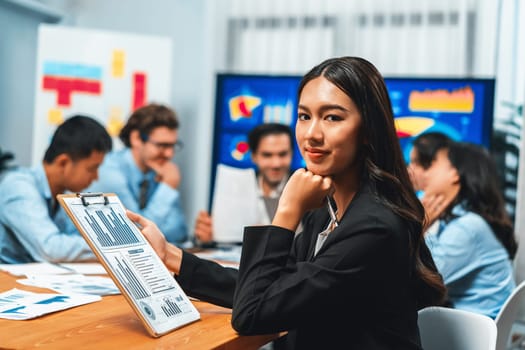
{"x": 84, "y": 197}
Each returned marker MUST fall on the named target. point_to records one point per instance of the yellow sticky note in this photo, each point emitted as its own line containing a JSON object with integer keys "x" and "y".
{"x": 118, "y": 63}
{"x": 55, "y": 117}
{"x": 115, "y": 121}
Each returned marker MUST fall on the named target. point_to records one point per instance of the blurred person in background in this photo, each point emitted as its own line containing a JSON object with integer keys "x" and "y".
{"x": 143, "y": 175}
{"x": 271, "y": 147}
{"x": 33, "y": 227}
{"x": 475, "y": 243}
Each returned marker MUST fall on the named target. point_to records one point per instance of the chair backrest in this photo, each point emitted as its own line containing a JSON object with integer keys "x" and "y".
{"x": 508, "y": 315}
{"x": 452, "y": 329}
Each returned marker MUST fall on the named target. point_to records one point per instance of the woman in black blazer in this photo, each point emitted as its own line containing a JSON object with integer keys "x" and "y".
{"x": 354, "y": 280}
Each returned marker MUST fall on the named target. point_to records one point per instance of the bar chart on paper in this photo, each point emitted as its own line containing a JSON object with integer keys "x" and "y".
{"x": 170, "y": 307}
{"x": 137, "y": 270}
{"x": 107, "y": 225}
{"x": 132, "y": 283}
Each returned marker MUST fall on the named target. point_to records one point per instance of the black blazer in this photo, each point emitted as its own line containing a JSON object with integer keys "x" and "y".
{"x": 354, "y": 294}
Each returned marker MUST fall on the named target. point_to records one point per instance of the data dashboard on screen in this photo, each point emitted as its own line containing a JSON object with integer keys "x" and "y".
{"x": 460, "y": 108}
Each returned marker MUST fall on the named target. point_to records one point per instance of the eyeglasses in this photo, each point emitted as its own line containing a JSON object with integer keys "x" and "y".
{"x": 163, "y": 146}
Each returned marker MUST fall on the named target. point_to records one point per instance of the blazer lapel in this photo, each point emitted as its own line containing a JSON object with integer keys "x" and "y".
{"x": 321, "y": 219}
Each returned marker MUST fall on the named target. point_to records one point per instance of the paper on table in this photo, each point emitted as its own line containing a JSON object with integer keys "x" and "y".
{"x": 43, "y": 268}
{"x": 16, "y": 304}
{"x": 223, "y": 255}
{"x": 96, "y": 285}
{"x": 234, "y": 203}
{"x": 86, "y": 268}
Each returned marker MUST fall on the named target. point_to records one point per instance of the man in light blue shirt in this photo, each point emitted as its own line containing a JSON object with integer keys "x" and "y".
{"x": 143, "y": 175}
{"x": 33, "y": 227}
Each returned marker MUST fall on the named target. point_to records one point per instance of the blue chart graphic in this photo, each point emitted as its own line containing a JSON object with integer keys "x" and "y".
{"x": 8, "y": 299}
{"x": 57, "y": 299}
{"x": 170, "y": 308}
{"x": 116, "y": 232}
{"x": 129, "y": 280}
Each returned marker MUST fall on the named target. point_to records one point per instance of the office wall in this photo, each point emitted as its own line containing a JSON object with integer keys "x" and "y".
{"x": 190, "y": 24}
{"x": 186, "y": 23}
{"x": 18, "y": 46}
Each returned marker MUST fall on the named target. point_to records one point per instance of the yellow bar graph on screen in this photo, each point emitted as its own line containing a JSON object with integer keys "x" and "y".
{"x": 455, "y": 101}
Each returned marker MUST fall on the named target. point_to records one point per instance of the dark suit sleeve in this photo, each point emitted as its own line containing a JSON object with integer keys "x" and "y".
{"x": 273, "y": 296}
{"x": 207, "y": 280}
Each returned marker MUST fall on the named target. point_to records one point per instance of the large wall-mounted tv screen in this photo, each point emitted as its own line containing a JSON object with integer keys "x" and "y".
{"x": 244, "y": 101}
{"x": 460, "y": 108}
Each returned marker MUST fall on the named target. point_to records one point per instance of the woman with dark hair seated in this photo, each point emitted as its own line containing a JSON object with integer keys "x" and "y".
{"x": 475, "y": 243}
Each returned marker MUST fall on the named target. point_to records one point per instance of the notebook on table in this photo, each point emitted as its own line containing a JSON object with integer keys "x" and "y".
{"x": 148, "y": 286}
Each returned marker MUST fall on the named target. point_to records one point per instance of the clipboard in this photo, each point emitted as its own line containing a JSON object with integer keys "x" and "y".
{"x": 148, "y": 286}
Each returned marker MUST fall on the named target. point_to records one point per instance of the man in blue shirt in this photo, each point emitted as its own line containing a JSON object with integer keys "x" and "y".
{"x": 143, "y": 174}
{"x": 33, "y": 227}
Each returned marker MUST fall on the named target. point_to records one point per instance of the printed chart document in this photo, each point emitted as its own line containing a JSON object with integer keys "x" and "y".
{"x": 234, "y": 204}
{"x": 43, "y": 268}
{"x": 16, "y": 304}
{"x": 131, "y": 262}
{"x": 85, "y": 268}
{"x": 73, "y": 283}
{"x": 46, "y": 268}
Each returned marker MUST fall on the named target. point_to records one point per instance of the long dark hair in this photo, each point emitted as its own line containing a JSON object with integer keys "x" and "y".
{"x": 384, "y": 167}
{"x": 480, "y": 191}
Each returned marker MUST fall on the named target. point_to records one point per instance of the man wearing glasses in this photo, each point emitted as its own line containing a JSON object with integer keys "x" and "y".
{"x": 143, "y": 174}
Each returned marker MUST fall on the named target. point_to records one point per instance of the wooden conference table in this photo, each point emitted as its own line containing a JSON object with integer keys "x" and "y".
{"x": 112, "y": 324}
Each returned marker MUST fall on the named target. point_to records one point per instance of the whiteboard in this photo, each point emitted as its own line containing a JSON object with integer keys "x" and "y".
{"x": 102, "y": 74}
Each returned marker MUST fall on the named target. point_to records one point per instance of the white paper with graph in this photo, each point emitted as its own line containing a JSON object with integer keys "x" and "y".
{"x": 129, "y": 259}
